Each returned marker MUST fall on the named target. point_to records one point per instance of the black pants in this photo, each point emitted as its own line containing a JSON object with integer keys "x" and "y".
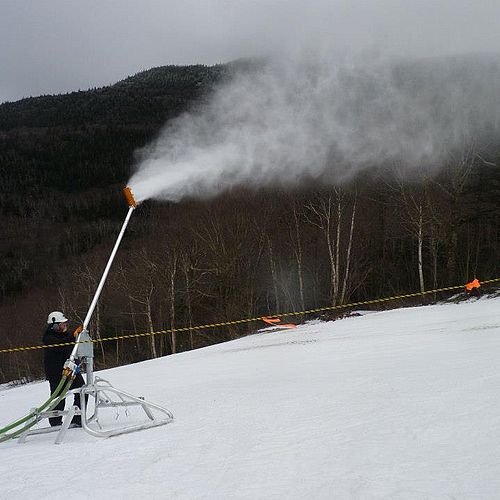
{"x": 78, "y": 382}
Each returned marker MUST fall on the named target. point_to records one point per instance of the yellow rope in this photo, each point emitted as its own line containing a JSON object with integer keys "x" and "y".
{"x": 249, "y": 320}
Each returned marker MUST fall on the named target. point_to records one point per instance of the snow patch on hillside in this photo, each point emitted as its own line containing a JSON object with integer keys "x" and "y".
{"x": 396, "y": 404}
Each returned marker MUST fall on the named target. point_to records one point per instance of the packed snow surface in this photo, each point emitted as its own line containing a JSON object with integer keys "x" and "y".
{"x": 402, "y": 404}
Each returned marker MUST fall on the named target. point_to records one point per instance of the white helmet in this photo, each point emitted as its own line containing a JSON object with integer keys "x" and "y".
{"x": 56, "y": 317}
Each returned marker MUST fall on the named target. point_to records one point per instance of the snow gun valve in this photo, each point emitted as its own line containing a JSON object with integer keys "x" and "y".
{"x": 70, "y": 369}
{"x": 127, "y": 192}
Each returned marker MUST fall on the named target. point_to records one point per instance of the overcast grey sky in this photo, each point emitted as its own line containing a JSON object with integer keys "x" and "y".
{"x": 52, "y": 46}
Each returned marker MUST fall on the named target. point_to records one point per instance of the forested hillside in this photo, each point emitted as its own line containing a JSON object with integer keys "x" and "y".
{"x": 60, "y": 154}
{"x": 64, "y": 159}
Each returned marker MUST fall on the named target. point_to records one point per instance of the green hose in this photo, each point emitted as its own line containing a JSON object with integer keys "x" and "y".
{"x": 18, "y": 432}
{"x": 54, "y": 395}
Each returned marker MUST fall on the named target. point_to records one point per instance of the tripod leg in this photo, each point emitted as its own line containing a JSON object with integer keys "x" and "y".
{"x": 65, "y": 425}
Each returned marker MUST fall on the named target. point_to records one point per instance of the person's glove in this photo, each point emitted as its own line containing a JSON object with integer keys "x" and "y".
{"x": 77, "y": 331}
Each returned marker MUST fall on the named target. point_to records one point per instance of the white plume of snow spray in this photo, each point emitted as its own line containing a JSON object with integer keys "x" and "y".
{"x": 309, "y": 118}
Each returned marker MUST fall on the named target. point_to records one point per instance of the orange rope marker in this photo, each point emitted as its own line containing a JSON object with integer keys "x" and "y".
{"x": 277, "y": 322}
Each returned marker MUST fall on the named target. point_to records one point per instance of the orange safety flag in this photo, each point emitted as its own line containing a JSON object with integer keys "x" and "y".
{"x": 277, "y": 322}
{"x": 473, "y": 284}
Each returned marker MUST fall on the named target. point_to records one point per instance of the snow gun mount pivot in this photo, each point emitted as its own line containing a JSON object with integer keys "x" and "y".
{"x": 97, "y": 393}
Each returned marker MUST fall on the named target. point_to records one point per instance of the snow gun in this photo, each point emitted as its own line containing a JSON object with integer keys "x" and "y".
{"x": 104, "y": 394}
{"x": 69, "y": 366}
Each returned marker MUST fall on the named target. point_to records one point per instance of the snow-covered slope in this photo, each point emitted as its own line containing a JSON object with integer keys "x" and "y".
{"x": 398, "y": 404}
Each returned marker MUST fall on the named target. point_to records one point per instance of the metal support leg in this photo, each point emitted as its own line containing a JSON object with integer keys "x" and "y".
{"x": 89, "y": 368}
{"x": 66, "y": 424}
{"x": 22, "y": 438}
{"x": 147, "y": 410}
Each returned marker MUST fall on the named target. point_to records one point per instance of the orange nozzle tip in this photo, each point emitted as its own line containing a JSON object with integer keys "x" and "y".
{"x": 127, "y": 192}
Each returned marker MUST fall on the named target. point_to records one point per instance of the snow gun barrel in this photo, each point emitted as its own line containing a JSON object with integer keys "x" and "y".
{"x": 127, "y": 192}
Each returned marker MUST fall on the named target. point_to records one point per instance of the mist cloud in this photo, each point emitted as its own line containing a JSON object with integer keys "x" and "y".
{"x": 320, "y": 116}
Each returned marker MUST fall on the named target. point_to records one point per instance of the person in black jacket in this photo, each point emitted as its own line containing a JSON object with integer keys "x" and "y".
{"x": 54, "y": 358}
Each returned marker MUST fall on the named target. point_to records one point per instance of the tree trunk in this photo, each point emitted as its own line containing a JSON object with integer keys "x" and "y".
{"x": 188, "y": 303}
{"x": 331, "y": 253}
{"x": 173, "y": 272}
{"x": 337, "y": 246}
{"x": 420, "y": 245}
{"x": 298, "y": 257}
{"x": 452, "y": 255}
{"x": 149, "y": 320}
{"x": 348, "y": 254}
{"x": 134, "y": 324}
{"x": 98, "y": 330}
{"x": 274, "y": 276}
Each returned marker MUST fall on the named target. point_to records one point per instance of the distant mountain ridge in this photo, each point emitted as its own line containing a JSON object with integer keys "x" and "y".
{"x": 153, "y": 95}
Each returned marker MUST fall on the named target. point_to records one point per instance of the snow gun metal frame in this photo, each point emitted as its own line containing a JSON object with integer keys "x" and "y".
{"x": 104, "y": 395}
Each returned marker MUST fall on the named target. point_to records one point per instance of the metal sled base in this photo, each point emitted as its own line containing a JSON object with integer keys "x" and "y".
{"x": 104, "y": 395}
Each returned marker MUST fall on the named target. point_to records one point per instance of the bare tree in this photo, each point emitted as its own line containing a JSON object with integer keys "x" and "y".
{"x": 295, "y": 238}
{"x": 416, "y": 216}
{"x": 453, "y": 185}
{"x": 348, "y": 252}
{"x": 138, "y": 281}
{"x": 186, "y": 268}
{"x": 171, "y": 275}
{"x": 327, "y": 214}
